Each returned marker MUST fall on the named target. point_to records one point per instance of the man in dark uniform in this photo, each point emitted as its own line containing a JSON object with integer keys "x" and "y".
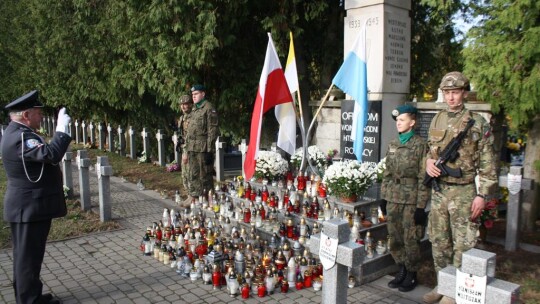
{"x": 34, "y": 193}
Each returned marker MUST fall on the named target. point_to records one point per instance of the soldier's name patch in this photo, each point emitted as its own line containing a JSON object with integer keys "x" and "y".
{"x": 32, "y": 143}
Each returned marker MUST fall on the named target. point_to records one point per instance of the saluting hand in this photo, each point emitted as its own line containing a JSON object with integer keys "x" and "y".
{"x": 63, "y": 121}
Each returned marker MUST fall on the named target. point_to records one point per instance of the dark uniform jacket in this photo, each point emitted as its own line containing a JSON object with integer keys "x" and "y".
{"x": 41, "y": 198}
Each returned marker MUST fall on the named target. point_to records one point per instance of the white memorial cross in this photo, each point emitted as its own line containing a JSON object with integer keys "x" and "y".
{"x": 337, "y": 253}
{"x": 475, "y": 282}
{"x": 515, "y": 183}
{"x": 243, "y": 149}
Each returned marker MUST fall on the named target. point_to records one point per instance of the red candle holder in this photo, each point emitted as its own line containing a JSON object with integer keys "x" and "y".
{"x": 261, "y": 291}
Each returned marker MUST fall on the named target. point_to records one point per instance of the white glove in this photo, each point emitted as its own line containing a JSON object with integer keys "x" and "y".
{"x": 62, "y": 124}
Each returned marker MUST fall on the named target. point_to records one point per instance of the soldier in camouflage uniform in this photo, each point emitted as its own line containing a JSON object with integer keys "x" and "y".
{"x": 453, "y": 221}
{"x": 406, "y": 197}
{"x": 202, "y": 133}
{"x": 186, "y": 105}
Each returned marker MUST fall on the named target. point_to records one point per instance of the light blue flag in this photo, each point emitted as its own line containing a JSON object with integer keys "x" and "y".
{"x": 352, "y": 79}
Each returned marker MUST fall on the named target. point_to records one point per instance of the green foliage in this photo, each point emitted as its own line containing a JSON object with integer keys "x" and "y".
{"x": 127, "y": 62}
{"x": 118, "y": 61}
{"x": 434, "y": 49}
{"x": 503, "y": 59}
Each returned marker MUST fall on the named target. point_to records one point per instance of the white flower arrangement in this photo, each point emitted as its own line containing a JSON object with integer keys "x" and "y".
{"x": 143, "y": 158}
{"x": 66, "y": 191}
{"x": 347, "y": 178}
{"x": 270, "y": 165}
{"x": 381, "y": 167}
{"x": 316, "y": 156}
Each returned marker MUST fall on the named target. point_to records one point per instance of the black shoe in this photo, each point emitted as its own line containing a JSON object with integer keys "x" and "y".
{"x": 400, "y": 276}
{"x": 409, "y": 283}
{"x": 46, "y": 297}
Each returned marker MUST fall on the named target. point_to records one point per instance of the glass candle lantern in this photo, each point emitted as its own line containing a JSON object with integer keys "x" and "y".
{"x": 374, "y": 215}
{"x": 261, "y": 290}
{"x": 245, "y": 291}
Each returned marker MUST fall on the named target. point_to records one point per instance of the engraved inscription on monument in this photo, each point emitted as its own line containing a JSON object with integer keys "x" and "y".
{"x": 397, "y": 54}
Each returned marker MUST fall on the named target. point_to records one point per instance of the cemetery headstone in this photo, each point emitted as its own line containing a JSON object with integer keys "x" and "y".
{"x": 44, "y": 124}
{"x": 337, "y": 254}
{"x": 71, "y": 129}
{"x": 91, "y": 132}
{"x": 475, "y": 282}
{"x": 146, "y": 142}
{"x": 52, "y": 126}
{"x": 67, "y": 174}
{"x": 243, "y": 149}
{"x": 101, "y": 135}
{"x": 132, "y": 143}
{"x": 77, "y": 132}
{"x": 104, "y": 171}
{"x": 85, "y": 138}
{"x": 220, "y": 156}
{"x": 83, "y": 164}
{"x": 161, "y": 147}
{"x": 110, "y": 138}
{"x": 515, "y": 182}
{"x": 121, "y": 141}
{"x": 177, "y": 155}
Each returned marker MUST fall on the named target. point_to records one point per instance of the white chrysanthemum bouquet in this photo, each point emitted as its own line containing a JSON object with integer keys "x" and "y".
{"x": 270, "y": 165}
{"x": 316, "y": 156}
{"x": 349, "y": 178}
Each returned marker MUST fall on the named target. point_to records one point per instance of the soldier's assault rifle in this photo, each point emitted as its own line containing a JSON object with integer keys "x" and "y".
{"x": 448, "y": 154}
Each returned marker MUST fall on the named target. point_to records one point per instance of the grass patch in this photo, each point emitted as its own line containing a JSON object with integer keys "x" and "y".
{"x": 5, "y": 233}
{"x": 154, "y": 177}
{"x": 75, "y": 223}
{"x": 78, "y": 223}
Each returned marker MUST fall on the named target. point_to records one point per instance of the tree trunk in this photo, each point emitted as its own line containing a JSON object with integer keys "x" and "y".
{"x": 531, "y": 199}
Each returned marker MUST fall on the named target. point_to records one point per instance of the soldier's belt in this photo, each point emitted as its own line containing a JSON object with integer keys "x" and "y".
{"x": 456, "y": 181}
{"x": 405, "y": 181}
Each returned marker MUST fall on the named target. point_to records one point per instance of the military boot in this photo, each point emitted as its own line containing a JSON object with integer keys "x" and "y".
{"x": 447, "y": 300}
{"x": 400, "y": 276}
{"x": 432, "y": 297}
{"x": 409, "y": 283}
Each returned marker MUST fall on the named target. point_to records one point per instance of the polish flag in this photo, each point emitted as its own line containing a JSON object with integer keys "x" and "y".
{"x": 273, "y": 90}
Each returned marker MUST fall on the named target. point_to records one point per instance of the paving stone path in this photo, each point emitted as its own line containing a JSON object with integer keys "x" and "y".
{"x": 108, "y": 267}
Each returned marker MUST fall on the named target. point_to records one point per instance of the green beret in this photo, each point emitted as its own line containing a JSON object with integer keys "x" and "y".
{"x": 27, "y": 101}
{"x": 198, "y": 87}
{"x": 402, "y": 110}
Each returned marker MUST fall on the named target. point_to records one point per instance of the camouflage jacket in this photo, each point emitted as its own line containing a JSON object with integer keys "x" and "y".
{"x": 202, "y": 130}
{"x": 404, "y": 173}
{"x": 183, "y": 123}
{"x": 476, "y": 156}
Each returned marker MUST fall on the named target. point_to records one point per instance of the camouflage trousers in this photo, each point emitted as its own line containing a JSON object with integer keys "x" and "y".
{"x": 450, "y": 231}
{"x": 185, "y": 175}
{"x": 403, "y": 235}
{"x": 200, "y": 175}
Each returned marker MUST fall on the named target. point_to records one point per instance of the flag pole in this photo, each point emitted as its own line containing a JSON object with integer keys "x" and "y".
{"x": 323, "y": 101}
{"x": 302, "y": 131}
